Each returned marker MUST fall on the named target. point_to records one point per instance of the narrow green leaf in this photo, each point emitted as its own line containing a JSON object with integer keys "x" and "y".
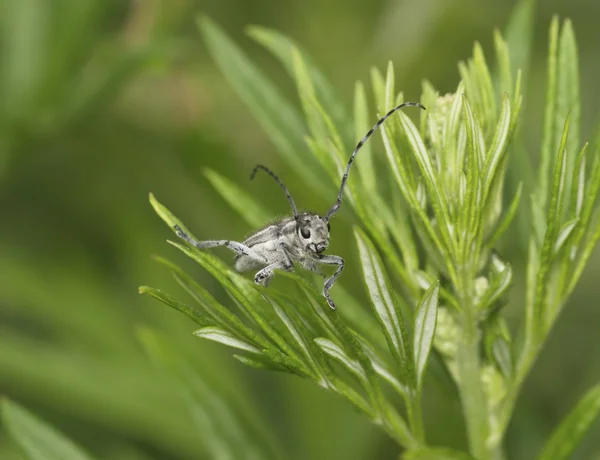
{"x": 498, "y": 148}
{"x": 25, "y": 36}
{"x": 283, "y": 48}
{"x": 568, "y": 98}
{"x": 436, "y": 453}
{"x": 584, "y": 256}
{"x": 219, "y": 335}
{"x": 251, "y": 302}
{"x": 385, "y": 305}
{"x": 578, "y": 181}
{"x": 326, "y": 142}
{"x": 390, "y": 80}
{"x": 361, "y": 126}
{"x": 335, "y": 351}
{"x": 230, "y": 427}
{"x": 424, "y": 162}
{"x": 502, "y": 357}
{"x": 353, "y": 397}
{"x": 166, "y": 215}
{"x": 280, "y": 120}
{"x": 219, "y": 314}
{"x": 497, "y": 287}
{"x": 563, "y": 235}
{"x": 165, "y": 298}
{"x": 303, "y": 340}
{"x": 382, "y": 369}
{"x": 508, "y": 217}
{"x": 378, "y": 84}
{"x": 482, "y": 75}
{"x": 571, "y": 431}
{"x": 519, "y": 35}
{"x": 239, "y": 199}
{"x": 552, "y": 225}
{"x": 590, "y": 197}
{"x": 548, "y": 146}
{"x": 38, "y": 440}
{"x": 505, "y": 75}
{"x": 424, "y": 330}
{"x": 475, "y": 158}
{"x": 259, "y": 362}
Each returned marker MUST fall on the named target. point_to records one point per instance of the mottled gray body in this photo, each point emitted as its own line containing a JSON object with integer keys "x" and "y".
{"x": 299, "y": 239}
{"x": 279, "y": 246}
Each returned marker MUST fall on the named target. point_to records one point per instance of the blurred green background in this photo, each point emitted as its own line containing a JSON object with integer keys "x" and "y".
{"x": 103, "y": 101}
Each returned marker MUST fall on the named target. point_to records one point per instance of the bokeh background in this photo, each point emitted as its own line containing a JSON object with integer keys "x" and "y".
{"x": 103, "y": 101}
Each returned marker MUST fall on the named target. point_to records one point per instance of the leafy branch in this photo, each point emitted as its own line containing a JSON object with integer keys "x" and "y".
{"x": 443, "y": 284}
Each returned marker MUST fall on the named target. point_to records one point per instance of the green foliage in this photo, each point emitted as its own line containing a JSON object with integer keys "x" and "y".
{"x": 568, "y": 435}
{"x": 447, "y": 175}
{"x": 95, "y": 106}
{"x": 37, "y": 440}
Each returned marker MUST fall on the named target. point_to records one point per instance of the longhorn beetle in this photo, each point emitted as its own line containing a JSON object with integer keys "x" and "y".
{"x": 302, "y": 238}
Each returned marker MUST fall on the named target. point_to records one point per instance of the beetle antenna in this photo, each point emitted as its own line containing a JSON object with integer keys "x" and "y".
{"x": 281, "y": 184}
{"x": 338, "y": 202}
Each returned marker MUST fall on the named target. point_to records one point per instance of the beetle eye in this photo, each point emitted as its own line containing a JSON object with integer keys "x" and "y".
{"x": 328, "y": 227}
{"x": 305, "y": 232}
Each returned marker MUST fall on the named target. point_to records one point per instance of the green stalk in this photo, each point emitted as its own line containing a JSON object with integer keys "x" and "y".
{"x": 470, "y": 386}
{"x": 415, "y": 416}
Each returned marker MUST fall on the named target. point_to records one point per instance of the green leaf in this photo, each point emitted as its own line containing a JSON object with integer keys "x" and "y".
{"x": 280, "y": 120}
{"x": 219, "y": 335}
{"x": 475, "y": 159}
{"x": 418, "y": 149}
{"x": 361, "y": 126}
{"x": 304, "y": 341}
{"x": 505, "y": 76}
{"x": 571, "y": 431}
{"x": 239, "y": 199}
{"x": 498, "y": 286}
{"x": 165, "y": 298}
{"x": 519, "y": 35}
{"x": 548, "y": 146}
{"x": 230, "y": 428}
{"x": 259, "y": 362}
{"x": 378, "y": 84}
{"x": 38, "y": 440}
{"x": 552, "y": 226}
{"x": 250, "y": 301}
{"x": 167, "y": 216}
{"x": 386, "y": 305}
{"x": 219, "y": 314}
{"x": 283, "y": 48}
{"x": 568, "y": 98}
{"x": 436, "y": 453}
{"x": 508, "y": 217}
{"x": 326, "y": 143}
{"x": 487, "y": 110}
{"x": 382, "y": 369}
{"x": 424, "y": 330}
{"x": 498, "y": 148}
{"x": 563, "y": 235}
{"x": 335, "y": 351}
{"x": 25, "y": 52}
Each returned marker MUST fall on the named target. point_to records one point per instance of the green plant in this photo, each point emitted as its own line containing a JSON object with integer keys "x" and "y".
{"x": 437, "y": 210}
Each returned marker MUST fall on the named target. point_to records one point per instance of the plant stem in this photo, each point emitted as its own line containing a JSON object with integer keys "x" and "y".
{"x": 470, "y": 386}
{"x": 415, "y": 416}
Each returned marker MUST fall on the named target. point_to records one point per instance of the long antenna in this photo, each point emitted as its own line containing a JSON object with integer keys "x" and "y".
{"x": 338, "y": 202}
{"x": 281, "y": 184}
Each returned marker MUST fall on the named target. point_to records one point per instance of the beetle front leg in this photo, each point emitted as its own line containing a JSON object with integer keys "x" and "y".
{"x": 331, "y": 260}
